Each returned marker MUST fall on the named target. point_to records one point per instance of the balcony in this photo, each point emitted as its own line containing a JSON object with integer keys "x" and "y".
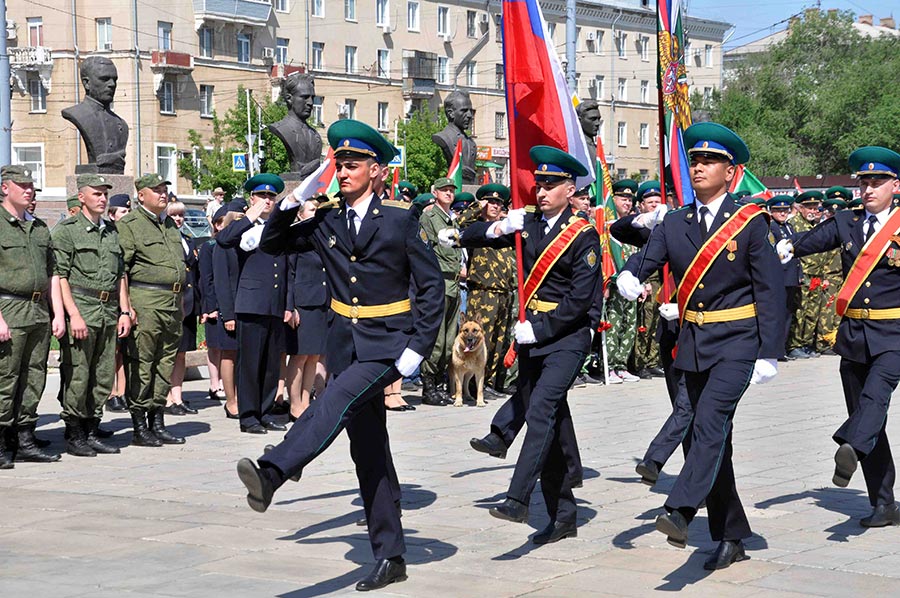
{"x": 254, "y": 13}
{"x": 22, "y": 61}
{"x": 418, "y": 74}
{"x": 417, "y": 89}
{"x": 167, "y": 62}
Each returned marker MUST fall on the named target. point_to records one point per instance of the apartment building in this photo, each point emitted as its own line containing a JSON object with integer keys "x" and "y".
{"x": 374, "y": 60}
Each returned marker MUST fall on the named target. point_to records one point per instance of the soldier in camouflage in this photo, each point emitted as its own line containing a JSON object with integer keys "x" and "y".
{"x": 802, "y": 336}
{"x": 621, "y": 313}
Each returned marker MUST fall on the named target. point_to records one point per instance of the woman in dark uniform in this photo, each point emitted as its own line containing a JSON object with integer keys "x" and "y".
{"x": 309, "y": 299}
{"x": 225, "y": 281}
{"x": 209, "y": 307}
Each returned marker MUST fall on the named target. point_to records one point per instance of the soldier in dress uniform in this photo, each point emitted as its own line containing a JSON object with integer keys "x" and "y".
{"x": 91, "y": 275}
{"x": 868, "y": 338}
{"x": 802, "y": 337}
{"x": 387, "y": 306}
{"x": 827, "y": 322}
{"x": 723, "y": 345}
{"x": 26, "y": 297}
{"x": 554, "y": 339}
{"x": 154, "y": 265}
{"x": 780, "y": 209}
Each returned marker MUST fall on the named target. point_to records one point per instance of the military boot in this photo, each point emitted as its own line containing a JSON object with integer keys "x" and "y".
{"x": 158, "y": 427}
{"x": 76, "y": 442}
{"x": 29, "y": 451}
{"x": 142, "y": 436}
{"x": 92, "y": 435}
{"x": 430, "y": 395}
{"x": 5, "y": 462}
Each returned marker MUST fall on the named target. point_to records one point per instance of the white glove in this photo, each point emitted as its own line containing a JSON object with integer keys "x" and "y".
{"x": 448, "y": 237}
{"x": 293, "y": 199}
{"x": 524, "y": 333}
{"x": 407, "y": 363}
{"x": 650, "y": 219}
{"x": 515, "y": 220}
{"x": 629, "y": 286}
{"x": 669, "y": 311}
{"x": 763, "y": 371}
{"x": 785, "y": 250}
{"x": 250, "y": 238}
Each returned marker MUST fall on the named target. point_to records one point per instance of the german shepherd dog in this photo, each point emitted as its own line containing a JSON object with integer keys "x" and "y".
{"x": 469, "y": 359}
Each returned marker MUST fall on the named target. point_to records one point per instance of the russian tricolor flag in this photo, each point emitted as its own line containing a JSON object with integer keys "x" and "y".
{"x": 539, "y": 105}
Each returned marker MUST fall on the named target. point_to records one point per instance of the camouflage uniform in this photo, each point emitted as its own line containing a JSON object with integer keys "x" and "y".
{"x": 646, "y": 349}
{"x": 622, "y": 317}
{"x": 803, "y": 329}
{"x": 827, "y": 322}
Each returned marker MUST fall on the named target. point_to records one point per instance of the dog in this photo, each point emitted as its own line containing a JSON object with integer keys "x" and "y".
{"x": 469, "y": 360}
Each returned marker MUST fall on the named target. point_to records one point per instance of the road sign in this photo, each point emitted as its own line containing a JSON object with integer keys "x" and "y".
{"x": 239, "y": 162}
{"x": 400, "y": 160}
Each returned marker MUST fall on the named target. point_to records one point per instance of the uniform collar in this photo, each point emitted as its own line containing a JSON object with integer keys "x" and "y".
{"x": 90, "y": 224}
{"x": 882, "y": 217}
{"x": 713, "y": 206}
{"x": 362, "y": 207}
{"x": 160, "y": 219}
{"x": 551, "y": 222}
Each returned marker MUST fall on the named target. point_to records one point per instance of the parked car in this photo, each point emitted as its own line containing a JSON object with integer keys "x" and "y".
{"x": 195, "y": 223}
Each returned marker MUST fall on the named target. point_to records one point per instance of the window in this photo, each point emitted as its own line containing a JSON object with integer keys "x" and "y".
{"x": 707, "y": 55}
{"x": 644, "y": 47}
{"x": 443, "y": 20}
{"x": 645, "y": 135}
{"x": 622, "y": 135}
{"x": 443, "y": 70}
{"x": 318, "y": 53}
{"x": 412, "y": 15}
{"x": 471, "y": 29}
{"x": 104, "y": 34}
{"x": 243, "y": 48}
{"x": 595, "y": 45}
{"x": 499, "y": 79}
{"x": 471, "y": 74}
{"x": 599, "y": 88}
{"x": 206, "y": 42}
{"x": 621, "y": 49}
{"x": 35, "y": 32}
{"x": 382, "y": 116}
{"x": 384, "y": 64}
{"x": 707, "y": 95}
{"x": 645, "y": 174}
{"x": 499, "y": 125}
{"x": 166, "y": 160}
{"x": 551, "y": 29}
{"x": 350, "y": 109}
{"x": 281, "y": 50}
{"x": 318, "y": 8}
{"x": 622, "y": 94}
{"x": 31, "y": 156}
{"x": 645, "y": 92}
{"x": 38, "y": 94}
{"x": 206, "y": 101}
{"x": 316, "y": 115}
{"x": 621, "y": 173}
{"x": 382, "y": 12}
{"x": 164, "y": 35}
{"x": 281, "y": 5}
{"x": 350, "y": 59}
{"x": 167, "y": 98}
{"x": 349, "y": 10}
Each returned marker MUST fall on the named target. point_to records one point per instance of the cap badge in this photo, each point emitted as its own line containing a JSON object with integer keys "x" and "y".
{"x": 346, "y": 142}
{"x": 544, "y": 167}
{"x": 705, "y": 144}
{"x": 871, "y": 166}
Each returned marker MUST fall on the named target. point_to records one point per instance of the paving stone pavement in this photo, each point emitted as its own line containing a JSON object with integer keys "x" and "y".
{"x": 173, "y": 521}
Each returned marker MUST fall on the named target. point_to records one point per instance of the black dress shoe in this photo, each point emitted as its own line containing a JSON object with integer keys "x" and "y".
{"x": 882, "y": 516}
{"x": 577, "y": 483}
{"x": 657, "y": 372}
{"x": 409, "y": 407}
{"x": 281, "y": 408}
{"x": 175, "y": 409}
{"x": 188, "y": 409}
{"x": 254, "y": 429}
{"x": 397, "y": 408}
{"x": 274, "y": 426}
{"x": 728, "y": 552}
{"x": 644, "y": 374}
{"x": 258, "y": 482}
{"x": 490, "y": 393}
{"x": 511, "y": 510}
{"x": 648, "y": 470}
{"x": 229, "y": 414}
{"x": 845, "y": 462}
{"x": 386, "y": 572}
{"x": 675, "y": 527}
{"x": 491, "y": 444}
{"x": 555, "y": 532}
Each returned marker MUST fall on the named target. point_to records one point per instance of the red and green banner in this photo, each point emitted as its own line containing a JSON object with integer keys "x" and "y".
{"x": 455, "y": 170}
{"x": 395, "y": 184}
{"x": 744, "y": 180}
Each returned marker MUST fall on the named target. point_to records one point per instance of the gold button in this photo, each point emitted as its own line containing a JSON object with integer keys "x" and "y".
{"x": 866, "y": 300}
{"x": 275, "y": 264}
{"x": 352, "y": 258}
{"x": 700, "y": 305}
{"x": 352, "y": 279}
{"x": 868, "y": 283}
{"x": 323, "y": 269}
{"x": 700, "y": 286}
{"x": 355, "y": 300}
{"x": 324, "y": 283}
{"x": 535, "y": 312}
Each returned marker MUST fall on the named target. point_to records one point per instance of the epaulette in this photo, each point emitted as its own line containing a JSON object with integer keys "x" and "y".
{"x": 530, "y": 209}
{"x": 328, "y": 205}
{"x": 681, "y": 208}
{"x": 394, "y": 203}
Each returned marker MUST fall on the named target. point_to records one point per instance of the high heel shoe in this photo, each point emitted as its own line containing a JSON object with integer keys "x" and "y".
{"x": 229, "y": 414}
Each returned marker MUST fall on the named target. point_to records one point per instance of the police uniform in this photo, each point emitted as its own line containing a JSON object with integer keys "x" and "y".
{"x": 154, "y": 263}
{"x": 88, "y": 257}
{"x": 376, "y": 325}
{"x": 720, "y": 342}
{"x": 868, "y": 339}
{"x": 259, "y": 306}
{"x": 791, "y": 271}
{"x": 26, "y": 265}
{"x": 558, "y": 314}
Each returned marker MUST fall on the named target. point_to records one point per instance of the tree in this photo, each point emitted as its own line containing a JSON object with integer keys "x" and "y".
{"x": 424, "y": 159}
{"x": 807, "y": 102}
{"x": 210, "y": 167}
{"x": 274, "y": 158}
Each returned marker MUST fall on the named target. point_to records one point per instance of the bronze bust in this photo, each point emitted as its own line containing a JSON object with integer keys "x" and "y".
{"x": 589, "y": 116}
{"x": 458, "y": 108}
{"x": 302, "y": 142}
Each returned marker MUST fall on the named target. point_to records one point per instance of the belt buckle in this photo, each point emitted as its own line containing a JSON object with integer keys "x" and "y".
{"x": 865, "y": 313}
{"x": 698, "y": 319}
{"x": 104, "y": 296}
{"x": 36, "y": 296}
{"x": 176, "y": 288}
{"x": 354, "y": 311}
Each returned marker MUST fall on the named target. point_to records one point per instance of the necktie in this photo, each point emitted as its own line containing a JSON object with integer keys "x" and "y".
{"x": 872, "y": 222}
{"x": 351, "y": 216}
{"x": 704, "y": 230}
{"x": 544, "y": 228}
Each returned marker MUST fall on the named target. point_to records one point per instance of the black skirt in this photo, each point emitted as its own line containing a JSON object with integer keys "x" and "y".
{"x": 310, "y": 336}
{"x": 219, "y": 338}
{"x": 188, "y": 334}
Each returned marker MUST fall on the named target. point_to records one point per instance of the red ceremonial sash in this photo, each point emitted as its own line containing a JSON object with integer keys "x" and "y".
{"x": 866, "y": 261}
{"x": 710, "y": 251}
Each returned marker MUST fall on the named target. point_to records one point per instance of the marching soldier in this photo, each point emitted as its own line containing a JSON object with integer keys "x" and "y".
{"x": 91, "y": 277}
{"x": 780, "y": 209}
{"x": 26, "y": 268}
{"x": 154, "y": 265}
{"x": 728, "y": 273}
{"x": 868, "y": 338}
{"x": 375, "y": 253}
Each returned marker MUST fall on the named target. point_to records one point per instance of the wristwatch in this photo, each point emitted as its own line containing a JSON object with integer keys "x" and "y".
{"x": 126, "y": 313}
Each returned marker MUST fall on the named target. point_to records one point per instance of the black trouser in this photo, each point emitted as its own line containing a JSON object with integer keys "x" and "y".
{"x": 544, "y": 383}
{"x": 354, "y": 399}
{"x": 676, "y": 429}
{"x": 260, "y": 345}
{"x": 708, "y": 473}
{"x": 867, "y": 392}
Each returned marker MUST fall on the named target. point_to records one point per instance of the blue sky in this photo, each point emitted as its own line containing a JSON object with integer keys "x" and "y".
{"x": 757, "y": 18}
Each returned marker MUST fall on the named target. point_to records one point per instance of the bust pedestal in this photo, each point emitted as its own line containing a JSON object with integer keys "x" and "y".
{"x": 121, "y": 183}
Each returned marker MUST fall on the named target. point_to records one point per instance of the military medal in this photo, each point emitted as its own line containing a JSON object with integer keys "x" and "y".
{"x": 524, "y": 234}
{"x": 331, "y": 241}
{"x": 731, "y": 246}
{"x": 893, "y": 256}
{"x": 848, "y": 245}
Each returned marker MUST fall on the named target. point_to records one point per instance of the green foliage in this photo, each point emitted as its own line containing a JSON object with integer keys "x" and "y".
{"x": 213, "y": 166}
{"x": 804, "y": 104}
{"x": 424, "y": 160}
{"x": 275, "y": 158}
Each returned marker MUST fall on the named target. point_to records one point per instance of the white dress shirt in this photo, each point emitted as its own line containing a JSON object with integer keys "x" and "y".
{"x": 713, "y": 208}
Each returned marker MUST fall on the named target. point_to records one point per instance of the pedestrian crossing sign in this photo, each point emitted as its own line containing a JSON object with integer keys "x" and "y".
{"x": 239, "y": 162}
